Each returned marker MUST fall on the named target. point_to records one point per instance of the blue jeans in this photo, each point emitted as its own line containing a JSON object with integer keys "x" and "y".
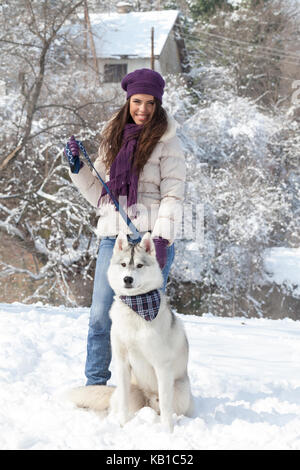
{"x": 98, "y": 341}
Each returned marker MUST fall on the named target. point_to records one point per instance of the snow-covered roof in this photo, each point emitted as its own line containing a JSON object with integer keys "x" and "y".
{"x": 129, "y": 34}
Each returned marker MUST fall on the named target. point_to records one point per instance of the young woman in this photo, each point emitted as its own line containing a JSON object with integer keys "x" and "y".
{"x": 141, "y": 160}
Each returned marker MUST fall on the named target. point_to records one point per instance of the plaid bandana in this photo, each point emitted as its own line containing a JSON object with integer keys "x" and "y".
{"x": 146, "y": 305}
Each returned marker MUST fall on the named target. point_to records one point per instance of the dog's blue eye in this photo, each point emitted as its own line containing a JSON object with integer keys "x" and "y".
{"x": 140, "y": 265}
{"x": 124, "y": 265}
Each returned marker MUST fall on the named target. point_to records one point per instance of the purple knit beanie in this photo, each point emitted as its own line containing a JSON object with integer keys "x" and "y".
{"x": 144, "y": 81}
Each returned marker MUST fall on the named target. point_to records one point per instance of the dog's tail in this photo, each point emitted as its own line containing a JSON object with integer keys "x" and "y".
{"x": 94, "y": 397}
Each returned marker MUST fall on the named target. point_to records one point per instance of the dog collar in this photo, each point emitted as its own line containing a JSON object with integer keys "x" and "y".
{"x": 146, "y": 305}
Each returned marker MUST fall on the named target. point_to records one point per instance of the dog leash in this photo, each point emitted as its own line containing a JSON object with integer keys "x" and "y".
{"x": 136, "y": 234}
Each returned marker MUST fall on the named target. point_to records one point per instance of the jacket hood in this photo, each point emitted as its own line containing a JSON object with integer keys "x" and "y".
{"x": 171, "y": 129}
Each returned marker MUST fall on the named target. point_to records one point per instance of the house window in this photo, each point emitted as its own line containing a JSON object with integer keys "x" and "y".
{"x": 114, "y": 72}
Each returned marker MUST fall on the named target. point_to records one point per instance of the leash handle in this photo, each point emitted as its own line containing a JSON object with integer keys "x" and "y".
{"x": 136, "y": 234}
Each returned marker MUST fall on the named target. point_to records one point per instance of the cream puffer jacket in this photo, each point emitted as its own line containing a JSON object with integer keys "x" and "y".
{"x": 160, "y": 191}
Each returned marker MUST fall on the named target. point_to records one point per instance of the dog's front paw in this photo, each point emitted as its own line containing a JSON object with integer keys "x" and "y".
{"x": 122, "y": 417}
{"x": 167, "y": 423}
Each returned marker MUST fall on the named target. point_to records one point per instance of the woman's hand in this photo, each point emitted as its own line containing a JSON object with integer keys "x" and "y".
{"x": 71, "y": 151}
{"x": 161, "y": 245}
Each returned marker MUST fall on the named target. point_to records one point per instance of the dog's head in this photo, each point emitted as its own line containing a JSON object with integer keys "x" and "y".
{"x": 134, "y": 268}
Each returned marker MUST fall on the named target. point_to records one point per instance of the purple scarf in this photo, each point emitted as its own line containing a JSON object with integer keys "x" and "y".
{"x": 123, "y": 180}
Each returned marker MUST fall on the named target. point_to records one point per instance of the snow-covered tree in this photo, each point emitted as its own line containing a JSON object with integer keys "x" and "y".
{"x": 242, "y": 167}
{"x": 51, "y": 93}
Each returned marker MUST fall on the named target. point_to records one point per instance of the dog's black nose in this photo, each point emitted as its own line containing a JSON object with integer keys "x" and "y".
{"x": 128, "y": 280}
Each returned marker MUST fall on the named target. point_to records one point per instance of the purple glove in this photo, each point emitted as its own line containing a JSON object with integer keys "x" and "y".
{"x": 161, "y": 250}
{"x": 73, "y": 158}
{"x": 74, "y": 147}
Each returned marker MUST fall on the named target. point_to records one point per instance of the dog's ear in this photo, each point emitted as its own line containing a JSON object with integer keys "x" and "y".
{"x": 121, "y": 242}
{"x": 148, "y": 244}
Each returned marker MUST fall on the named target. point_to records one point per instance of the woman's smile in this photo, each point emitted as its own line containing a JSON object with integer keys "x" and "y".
{"x": 141, "y": 108}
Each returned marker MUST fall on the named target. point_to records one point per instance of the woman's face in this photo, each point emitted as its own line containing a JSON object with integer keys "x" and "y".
{"x": 141, "y": 108}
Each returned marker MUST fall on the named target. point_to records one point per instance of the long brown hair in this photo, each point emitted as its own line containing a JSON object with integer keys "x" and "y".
{"x": 111, "y": 138}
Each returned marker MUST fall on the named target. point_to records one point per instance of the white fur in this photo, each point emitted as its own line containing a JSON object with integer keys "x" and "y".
{"x": 150, "y": 356}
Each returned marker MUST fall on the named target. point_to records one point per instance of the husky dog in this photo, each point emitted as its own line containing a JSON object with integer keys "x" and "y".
{"x": 149, "y": 345}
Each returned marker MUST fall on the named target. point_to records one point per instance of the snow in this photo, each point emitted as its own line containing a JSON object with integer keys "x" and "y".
{"x": 244, "y": 374}
{"x": 283, "y": 267}
{"x": 113, "y": 32}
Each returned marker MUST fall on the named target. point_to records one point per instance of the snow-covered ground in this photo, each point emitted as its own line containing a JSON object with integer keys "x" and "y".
{"x": 245, "y": 377}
